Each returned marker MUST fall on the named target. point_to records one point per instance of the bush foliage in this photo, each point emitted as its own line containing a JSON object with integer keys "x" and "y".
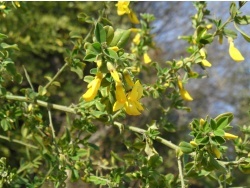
{"x": 84, "y": 102}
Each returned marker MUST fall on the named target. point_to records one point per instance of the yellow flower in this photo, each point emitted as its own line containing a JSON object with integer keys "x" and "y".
{"x": 206, "y": 63}
{"x": 235, "y": 53}
{"x": 2, "y": 7}
{"x": 128, "y": 78}
{"x": 135, "y": 30}
{"x": 230, "y": 136}
{"x": 132, "y": 106}
{"x": 93, "y": 87}
{"x": 115, "y": 48}
{"x": 193, "y": 143}
{"x": 216, "y": 152}
{"x": 137, "y": 38}
{"x": 130, "y": 103}
{"x": 184, "y": 94}
{"x": 120, "y": 97}
{"x": 133, "y": 18}
{"x": 146, "y": 57}
{"x": 209, "y": 26}
{"x": 113, "y": 72}
{"x": 122, "y": 7}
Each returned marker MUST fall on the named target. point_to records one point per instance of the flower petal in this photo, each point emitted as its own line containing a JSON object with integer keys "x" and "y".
{"x": 206, "y": 63}
{"x": 118, "y": 106}
{"x": 146, "y": 58}
{"x": 133, "y": 18}
{"x": 235, "y": 53}
{"x": 120, "y": 94}
{"x": 131, "y": 109}
{"x": 185, "y": 95}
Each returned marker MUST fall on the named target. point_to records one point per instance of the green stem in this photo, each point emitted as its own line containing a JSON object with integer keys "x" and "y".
{"x": 158, "y": 138}
{"x": 42, "y": 103}
{"x": 51, "y": 125}
{"x": 18, "y": 142}
{"x": 180, "y": 173}
{"x": 57, "y": 74}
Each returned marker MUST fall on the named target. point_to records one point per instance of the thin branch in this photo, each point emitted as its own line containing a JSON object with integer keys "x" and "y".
{"x": 51, "y": 124}
{"x": 42, "y": 103}
{"x": 18, "y": 142}
{"x": 57, "y": 74}
{"x": 158, "y": 138}
{"x": 28, "y": 78}
{"x": 180, "y": 173}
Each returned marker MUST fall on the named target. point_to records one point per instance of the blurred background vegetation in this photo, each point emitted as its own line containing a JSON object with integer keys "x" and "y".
{"x": 44, "y": 30}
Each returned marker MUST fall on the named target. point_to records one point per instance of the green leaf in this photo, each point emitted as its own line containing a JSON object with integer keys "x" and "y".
{"x": 100, "y": 33}
{"x": 7, "y": 46}
{"x": 98, "y": 180}
{"x": 10, "y": 67}
{"x": 213, "y": 124}
{"x": 228, "y": 115}
{"x": 2, "y": 36}
{"x": 82, "y": 17}
{"x": 90, "y": 57}
{"x": 111, "y": 53}
{"x": 6, "y": 125}
{"x": 121, "y": 37}
{"x": 109, "y": 33}
{"x": 242, "y": 20}
{"x": 155, "y": 160}
{"x": 186, "y": 147}
{"x": 75, "y": 35}
{"x": 41, "y": 90}
{"x": 222, "y": 123}
{"x": 219, "y": 132}
{"x": 78, "y": 69}
{"x": 230, "y": 33}
{"x": 245, "y": 36}
{"x": 56, "y": 83}
{"x": 233, "y": 10}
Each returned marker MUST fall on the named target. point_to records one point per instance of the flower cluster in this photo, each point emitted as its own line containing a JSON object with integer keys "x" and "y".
{"x": 129, "y": 101}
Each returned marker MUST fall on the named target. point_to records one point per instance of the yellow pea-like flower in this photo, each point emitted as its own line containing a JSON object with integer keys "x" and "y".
{"x": 128, "y": 78}
{"x": 120, "y": 97}
{"x": 115, "y": 48}
{"x": 133, "y": 18}
{"x": 202, "y": 121}
{"x": 184, "y": 94}
{"x": 235, "y": 53}
{"x": 193, "y": 143}
{"x": 146, "y": 58}
{"x": 216, "y": 151}
{"x": 93, "y": 87}
{"x": 206, "y": 63}
{"x": 137, "y": 38}
{"x": 230, "y": 136}
{"x": 209, "y": 26}
{"x": 122, "y": 7}
{"x": 113, "y": 72}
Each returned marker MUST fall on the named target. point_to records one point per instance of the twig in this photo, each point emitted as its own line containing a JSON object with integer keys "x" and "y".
{"x": 51, "y": 124}
{"x": 42, "y": 103}
{"x": 180, "y": 173}
{"x": 158, "y": 138}
{"x": 56, "y": 75}
{"x": 18, "y": 142}
{"x": 28, "y": 78}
